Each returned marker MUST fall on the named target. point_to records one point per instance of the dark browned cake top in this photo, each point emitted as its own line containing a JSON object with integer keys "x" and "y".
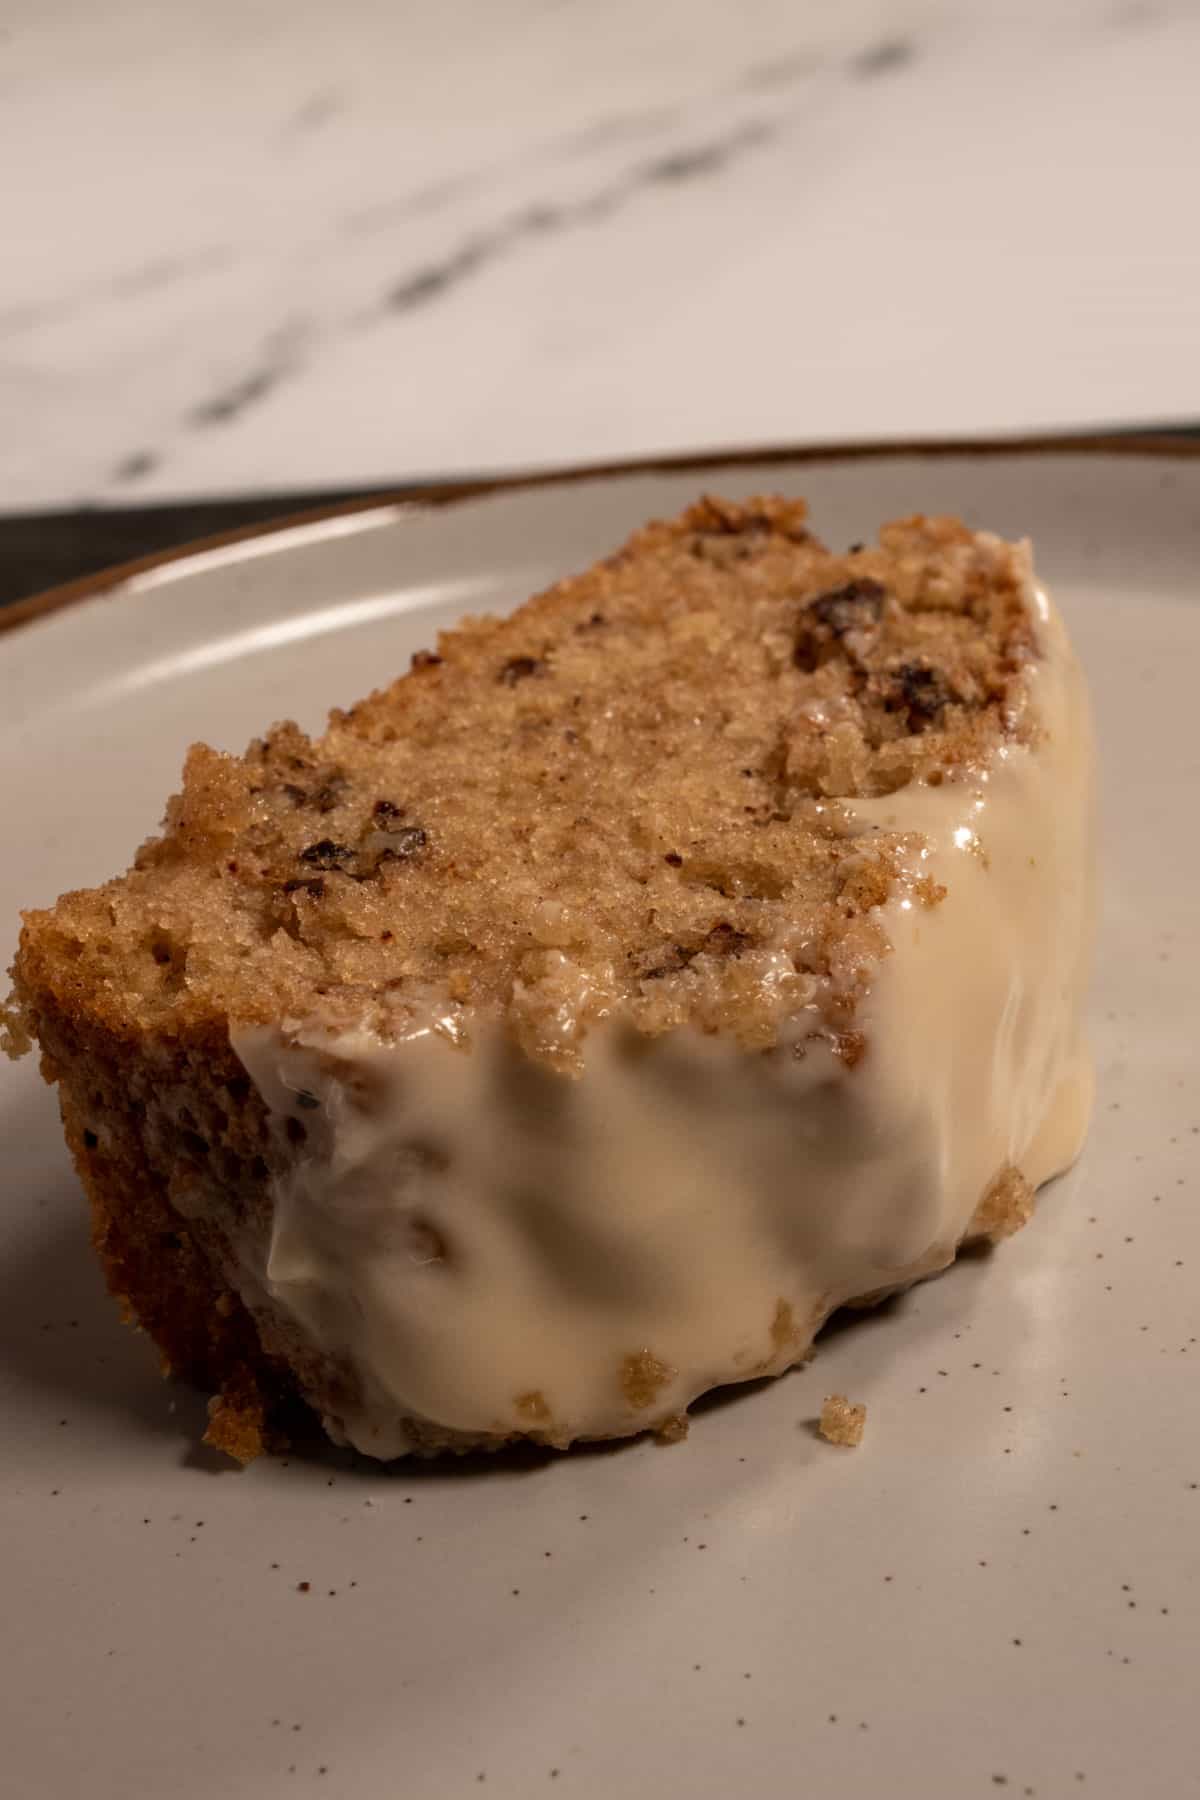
{"x": 622, "y": 797}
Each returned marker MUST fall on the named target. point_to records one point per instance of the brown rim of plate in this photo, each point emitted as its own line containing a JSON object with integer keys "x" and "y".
{"x": 1165, "y": 445}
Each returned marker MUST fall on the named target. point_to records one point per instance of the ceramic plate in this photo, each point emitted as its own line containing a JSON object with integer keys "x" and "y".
{"x": 1000, "y": 1591}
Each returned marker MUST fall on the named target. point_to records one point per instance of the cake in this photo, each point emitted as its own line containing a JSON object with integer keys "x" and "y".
{"x": 582, "y": 1019}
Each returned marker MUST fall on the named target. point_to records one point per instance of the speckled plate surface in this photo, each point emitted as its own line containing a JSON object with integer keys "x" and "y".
{"x": 999, "y": 1592}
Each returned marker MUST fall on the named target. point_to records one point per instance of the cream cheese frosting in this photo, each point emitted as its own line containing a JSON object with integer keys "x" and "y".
{"x": 478, "y": 1243}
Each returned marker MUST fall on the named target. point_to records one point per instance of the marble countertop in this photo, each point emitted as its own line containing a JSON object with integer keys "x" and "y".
{"x": 269, "y": 243}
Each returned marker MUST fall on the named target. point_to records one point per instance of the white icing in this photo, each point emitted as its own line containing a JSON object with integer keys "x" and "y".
{"x": 471, "y": 1237}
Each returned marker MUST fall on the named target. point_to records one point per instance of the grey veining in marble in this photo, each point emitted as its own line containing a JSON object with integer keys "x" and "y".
{"x": 283, "y": 244}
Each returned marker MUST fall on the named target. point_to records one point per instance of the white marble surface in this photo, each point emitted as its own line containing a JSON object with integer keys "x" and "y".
{"x": 266, "y": 242}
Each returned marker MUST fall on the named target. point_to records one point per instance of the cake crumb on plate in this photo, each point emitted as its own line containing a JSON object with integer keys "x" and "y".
{"x": 842, "y": 1421}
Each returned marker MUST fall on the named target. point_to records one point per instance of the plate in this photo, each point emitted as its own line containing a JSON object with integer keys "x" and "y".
{"x": 1000, "y": 1591}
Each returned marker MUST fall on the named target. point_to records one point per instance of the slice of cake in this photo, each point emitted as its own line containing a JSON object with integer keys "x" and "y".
{"x": 582, "y": 1019}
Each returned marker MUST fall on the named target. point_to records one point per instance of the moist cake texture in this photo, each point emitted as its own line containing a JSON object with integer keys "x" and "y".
{"x": 582, "y": 1018}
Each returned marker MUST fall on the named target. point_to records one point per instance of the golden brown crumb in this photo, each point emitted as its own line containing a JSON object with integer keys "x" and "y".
{"x": 643, "y": 1377}
{"x": 532, "y": 1406}
{"x": 842, "y": 1421}
{"x": 1005, "y": 1207}
{"x": 674, "y": 1429}
{"x": 234, "y": 1429}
